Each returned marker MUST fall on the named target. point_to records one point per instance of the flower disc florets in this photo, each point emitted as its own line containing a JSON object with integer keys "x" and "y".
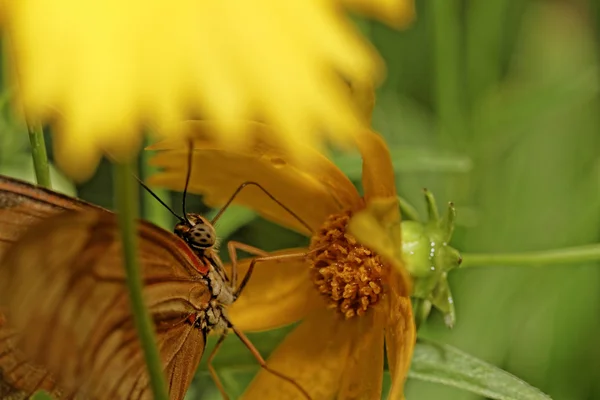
{"x": 347, "y": 273}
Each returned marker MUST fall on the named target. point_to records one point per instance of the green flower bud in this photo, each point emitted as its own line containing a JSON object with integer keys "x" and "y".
{"x": 416, "y": 249}
{"x": 428, "y": 258}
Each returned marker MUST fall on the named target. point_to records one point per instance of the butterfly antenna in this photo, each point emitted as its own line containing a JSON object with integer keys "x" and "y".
{"x": 187, "y": 182}
{"x": 265, "y": 191}
{"x": 158, "y": 198}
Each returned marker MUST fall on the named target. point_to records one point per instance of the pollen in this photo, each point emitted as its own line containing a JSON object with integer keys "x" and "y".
{"x": 346, "y": 273}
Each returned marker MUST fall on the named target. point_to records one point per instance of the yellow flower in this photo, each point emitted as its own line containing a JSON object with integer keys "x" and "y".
{"x": 102, "y": 70}
{"x": 350, "y": 299}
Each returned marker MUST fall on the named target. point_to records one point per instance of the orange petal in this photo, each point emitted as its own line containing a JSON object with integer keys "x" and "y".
{"x": 378, "y": 172}
{"x": 400, "y": 336}
{"x": 217, "y": 171}
{"x": 314, "y": 355}
{"x": 363, "y": 374}
{"x": 277, "y": 294}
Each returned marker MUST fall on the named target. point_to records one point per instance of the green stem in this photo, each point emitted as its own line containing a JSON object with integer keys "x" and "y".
{"x": 449, "y": 85}
{"x": 153, "y": 210}
{"x": 569, "y": 255}
{"x": 126, "y": 192}
{"x": 40, "y": 157}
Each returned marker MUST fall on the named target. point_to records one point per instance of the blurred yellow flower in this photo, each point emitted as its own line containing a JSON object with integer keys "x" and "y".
{"x": 102, "y": 70}
{"x": 350, "y": 299}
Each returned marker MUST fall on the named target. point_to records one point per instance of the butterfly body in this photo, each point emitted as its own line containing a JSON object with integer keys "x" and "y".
{"x": 200, "y": 236}
{"x": 213, "y": 317}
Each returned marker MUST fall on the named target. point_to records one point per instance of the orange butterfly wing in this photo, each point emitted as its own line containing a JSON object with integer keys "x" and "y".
{"x": 62, "y": 285}
{"x": 23, "y": 204}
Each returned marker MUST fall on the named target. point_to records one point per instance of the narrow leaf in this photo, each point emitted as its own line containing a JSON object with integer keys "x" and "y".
{"x": 439, "y": 363}
{"x": 408, "y": 160}
{"x": 408, "y": 211}
{"x": 432, "y": 209}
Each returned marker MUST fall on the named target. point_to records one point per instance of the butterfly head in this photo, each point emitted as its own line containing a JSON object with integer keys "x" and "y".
{"x": 198, "y": 233}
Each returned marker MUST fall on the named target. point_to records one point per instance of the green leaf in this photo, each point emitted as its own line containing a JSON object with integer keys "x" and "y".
{"x": 439, "y": 363}
{"x": 408, "y": 159}
{"x": 41, "y": 395}
{"x": 232, "y": 219}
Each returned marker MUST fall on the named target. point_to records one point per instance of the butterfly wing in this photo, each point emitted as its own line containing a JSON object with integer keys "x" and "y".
{"x": 19, "y": 378}
{"x": 62, "y": 286}
{"x": 23, "y": 204}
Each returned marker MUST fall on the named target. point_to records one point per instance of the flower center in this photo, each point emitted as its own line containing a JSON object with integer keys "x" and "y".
{"x": 347, "y": 273}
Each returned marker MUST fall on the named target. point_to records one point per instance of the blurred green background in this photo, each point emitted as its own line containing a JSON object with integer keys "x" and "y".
{"x": 492, "y": 104}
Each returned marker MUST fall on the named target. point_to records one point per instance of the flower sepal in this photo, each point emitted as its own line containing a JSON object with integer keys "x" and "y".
{"x": 428, "y": 257}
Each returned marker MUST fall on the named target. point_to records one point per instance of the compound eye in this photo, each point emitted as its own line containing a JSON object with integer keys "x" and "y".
{"x": 202, "y": 235}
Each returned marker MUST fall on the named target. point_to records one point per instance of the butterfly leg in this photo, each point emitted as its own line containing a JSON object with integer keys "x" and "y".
{"x": 263, "y": 363}
{"x": 211, "y": 369}
{"x": 263, "y": 256}
{"x": 232, "y": 248}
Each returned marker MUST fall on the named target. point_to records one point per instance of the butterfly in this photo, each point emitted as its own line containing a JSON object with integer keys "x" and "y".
{"x": 65, "y": 322}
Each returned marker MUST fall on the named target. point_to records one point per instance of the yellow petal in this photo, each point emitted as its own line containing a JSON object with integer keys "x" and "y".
{"x": 314, "y": 355}
{"x": 363, "y": 374}
{"x": 277, "y": 294}
{"x": 102, "y": 72}
{"x": 378, "y": 227}
{"x": 400, "y": 336}
{"x": 313, "y": 193}
{"x": 378, "y": 178}
{"x": 396, "y": 13}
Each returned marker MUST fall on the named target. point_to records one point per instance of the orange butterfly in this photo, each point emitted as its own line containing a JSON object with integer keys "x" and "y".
{"x": 65, "y": 322}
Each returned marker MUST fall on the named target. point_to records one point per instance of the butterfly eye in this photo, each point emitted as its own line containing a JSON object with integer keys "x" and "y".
{"x": 201, "y": 235}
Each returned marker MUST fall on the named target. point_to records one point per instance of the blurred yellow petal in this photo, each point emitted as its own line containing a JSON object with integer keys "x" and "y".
{"x": 313, "y": 193}
{"x": 400, "y": 336}
{"x": 277, "y": 294}
{"x": 70, "y": 150}
{"x": 378, "y": 172}
{"x": 396, "y": 13}
{"x": 314, "y": 355}
{"x": 102, "y": 70}
{"x": 363, "y": 373}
